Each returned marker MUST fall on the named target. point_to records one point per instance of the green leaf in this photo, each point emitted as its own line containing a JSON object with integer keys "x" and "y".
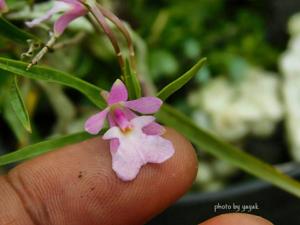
{"x": 16, "y": 100}
{"x": 181, "y": 81}
{"x": 14, "y": 123}
{"x": 4, "y": 84}
{"x": 50, "y": 75}
{"x": 224, "y": 151}
{"x": 132, "y": 82}
{"x": 11, "y": 32}
{"x": 42, "y": 147}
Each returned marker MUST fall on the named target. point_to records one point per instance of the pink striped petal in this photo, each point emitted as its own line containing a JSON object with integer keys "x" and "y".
{"x": 146, "y": 105}
{"x": 3, "y": 6}
{"x": 95, "y": 123}
{"x": 61, "y": 24}
{"x": 118, "y": 93}
{"x": 154, "y": 129}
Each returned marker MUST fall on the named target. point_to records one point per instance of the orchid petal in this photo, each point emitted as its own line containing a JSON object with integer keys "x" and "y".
{"x": 118, "y": 93}
{"x": 136, "y": 149}
{"x": 61, "y": 24}
{"x": 142, "y": 121}
{"x": 145, "y": 105}
{"x": 113, "y": 143}
{"x": 150, "y": 129}
{"x": 129, "y": 114}
{"x": 72, "y": 2}
{"x": 154, "y": 129}
{"x": 95, "y": 123}
{"x": 126, "y": 163}
{"x": 3, "y": 6}
{"x": 113, "y": 132}
{"x": 57, "y": 7}
{"x": 156, "y": 149}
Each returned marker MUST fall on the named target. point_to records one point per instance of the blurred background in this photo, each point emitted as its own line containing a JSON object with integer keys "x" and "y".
{"x": 248, "y": 93}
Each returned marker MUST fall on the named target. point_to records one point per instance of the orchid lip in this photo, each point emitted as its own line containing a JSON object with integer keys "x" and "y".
{"x": 137, "y": 149}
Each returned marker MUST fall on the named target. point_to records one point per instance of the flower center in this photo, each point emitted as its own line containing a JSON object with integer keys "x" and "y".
{"x": 121, "y": 120}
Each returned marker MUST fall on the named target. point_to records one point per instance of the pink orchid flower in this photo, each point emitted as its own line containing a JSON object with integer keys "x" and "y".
{"x": 137, "y": 148}
{"x": 119, "y": 106}
{"x": 3, "y": 6}
{"x": 72, "y": 10}
{"x": 134, "y": 140}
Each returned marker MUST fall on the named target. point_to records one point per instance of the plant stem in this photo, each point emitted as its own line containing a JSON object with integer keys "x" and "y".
{"x": 102, "y": 22}
{"x": 43, "y": 52}
{"x": 120, "y": 25}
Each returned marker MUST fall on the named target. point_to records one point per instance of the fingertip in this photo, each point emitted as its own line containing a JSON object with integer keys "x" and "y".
{"x": 75, "y": 183}
{"x": 160, "y": 185}
{"x": 237, "y": 219}
{"x": 184, "y": 161}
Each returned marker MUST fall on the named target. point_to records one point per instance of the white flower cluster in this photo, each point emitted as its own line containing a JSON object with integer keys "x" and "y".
{"x": 290, "y": 67}
{"x": 234, "y": 110}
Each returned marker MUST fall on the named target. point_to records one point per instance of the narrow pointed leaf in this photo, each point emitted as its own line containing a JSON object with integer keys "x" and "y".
{"x": 171, "y": 88}
{"x": 11, "y": 32}
{"x": 14, "y": 124}
{"x": 16, "y": 100}
{"x": 132, "y": 82}
{"x": 224, "y": 151}
{"x": 5, "y": 78}
{"x": 50, "y": 75}
{"x": 42, "y": 147}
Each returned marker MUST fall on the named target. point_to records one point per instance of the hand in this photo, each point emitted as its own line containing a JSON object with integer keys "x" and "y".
{"x": 76, "y": 185}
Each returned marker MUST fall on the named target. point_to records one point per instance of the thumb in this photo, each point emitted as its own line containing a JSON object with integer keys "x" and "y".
{"x": 76, "y": 185}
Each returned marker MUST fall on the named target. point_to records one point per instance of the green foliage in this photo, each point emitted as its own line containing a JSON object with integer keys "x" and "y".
{"x": 13, "y": 33}
{"x": 207, "y": 142}
{"x": 132, "y": 82}
{"x": 185, "y": 30}
{"x": 17, "y": 103}
{"x": 14, "y": 124}
{"x": 181, "y": 81}
{"x": 42, "y": 73}
{"x": 162, "y": 62}
{"x": 42, "y": 147}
